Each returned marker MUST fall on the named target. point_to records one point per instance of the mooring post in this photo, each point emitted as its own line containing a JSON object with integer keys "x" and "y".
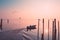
{"x": 1, "y": 24}
{"x": 38, "y": 29}
{"x": 48, "y": 29}
{"x": 58, "y": 30}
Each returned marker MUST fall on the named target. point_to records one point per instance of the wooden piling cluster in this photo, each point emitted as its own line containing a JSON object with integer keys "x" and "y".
{"x": 54, "y": 30}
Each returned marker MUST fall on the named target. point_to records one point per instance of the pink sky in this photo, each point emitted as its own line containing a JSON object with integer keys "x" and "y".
{"x": 33, "y": 9}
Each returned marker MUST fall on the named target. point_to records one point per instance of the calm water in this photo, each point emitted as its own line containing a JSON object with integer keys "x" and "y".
{"x": 17, "y": 24}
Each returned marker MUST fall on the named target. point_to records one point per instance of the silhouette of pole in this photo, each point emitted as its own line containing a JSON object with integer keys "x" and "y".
{"x": 55, "y": 27}
{"x": 58, "y": 30}
{"x": 1, "y": 24}
{"x": 54, "y": 30}
{"x": 42, "y": 36}
{"x": 43, "y": 30}
{"x": 48, "y": 29}
{"x": 38, "y": 30}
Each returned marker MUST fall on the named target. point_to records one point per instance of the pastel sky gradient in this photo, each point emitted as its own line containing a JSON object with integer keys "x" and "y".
{"x": 29, "y": 8}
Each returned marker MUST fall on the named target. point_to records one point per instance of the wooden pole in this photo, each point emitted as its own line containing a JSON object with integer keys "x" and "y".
{"x": 38, "y": 29}
{"x": 1, "y": 24}
{"x": 58, "y": 30}
{"x": 43, "y": 28}
{"x": 48, "y": 29}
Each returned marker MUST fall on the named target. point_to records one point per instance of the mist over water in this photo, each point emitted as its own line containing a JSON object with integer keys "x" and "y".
{"x": 19, "y": 24}
{"x": 11, "y": 25}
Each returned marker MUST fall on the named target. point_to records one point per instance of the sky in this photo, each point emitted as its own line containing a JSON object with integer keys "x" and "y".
{"x": 29, "y": 8}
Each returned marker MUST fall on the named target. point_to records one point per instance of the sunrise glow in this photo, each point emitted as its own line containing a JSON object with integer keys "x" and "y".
{"x": 18, "y": 14}
{"x": 46, "y": 31}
